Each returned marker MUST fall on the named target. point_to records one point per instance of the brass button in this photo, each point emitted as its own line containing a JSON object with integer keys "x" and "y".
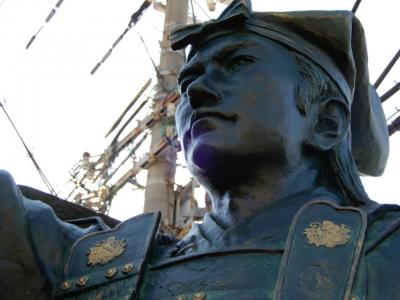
{"x": 111, "y": 273}
{"x": 65, "y": 285}
{"x": 181, "y": 297}
{"x": 82, "y": 281}
{"x": 199, "y": 296}
{"x": 127, "y": 268}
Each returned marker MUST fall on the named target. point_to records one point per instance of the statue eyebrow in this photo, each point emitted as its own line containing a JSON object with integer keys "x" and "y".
{"x": 218, "y": 56}
{"x": 222, "y": 54}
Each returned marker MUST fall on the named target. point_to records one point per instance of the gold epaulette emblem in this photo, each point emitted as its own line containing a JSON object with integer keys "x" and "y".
{"x": 327, "y": 234}
{"x": 106, "y": 250}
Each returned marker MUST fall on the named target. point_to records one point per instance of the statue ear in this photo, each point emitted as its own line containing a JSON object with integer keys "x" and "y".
{"x": 330, "y": 121}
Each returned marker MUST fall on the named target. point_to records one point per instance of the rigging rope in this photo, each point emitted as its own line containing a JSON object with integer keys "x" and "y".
{"x": 134, "y": 19}
{"x": 30, "y": 154}
{"x": 148, "y": 53}
{"x": 194, "y": 16}
{"x": 202, "y": 9}
{"x": 392, "y": 115}
{"x": 49, "y": 17}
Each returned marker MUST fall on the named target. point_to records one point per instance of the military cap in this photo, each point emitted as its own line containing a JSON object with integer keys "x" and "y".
{"x": 333, "y": 40}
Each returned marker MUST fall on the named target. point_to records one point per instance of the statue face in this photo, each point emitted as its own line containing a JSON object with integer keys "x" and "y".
{"x": 238, "y": 106}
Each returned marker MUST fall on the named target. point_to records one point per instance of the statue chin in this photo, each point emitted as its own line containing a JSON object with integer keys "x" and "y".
{"x": 216, "y": 167}
{"x": 203, "y": 159}
{"x": 207, "y": 163}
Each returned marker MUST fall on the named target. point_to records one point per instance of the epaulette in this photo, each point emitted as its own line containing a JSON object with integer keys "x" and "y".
{"x": 109, "y": 264}
{"x": 322, "y": 252}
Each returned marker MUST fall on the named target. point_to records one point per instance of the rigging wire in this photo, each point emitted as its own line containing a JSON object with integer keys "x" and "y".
{"x": 193, "y": 14}
{"x": 134, "y": 19}
{"x": 392, "y": 115}
{"x": 148, "y": 53}
{"x": 202, "y": 9}
{"x": 355, "y": 7}
{"x": 47, "y": 20}
{"x": 387, "y": 69}
{"x": 30, "y": 154}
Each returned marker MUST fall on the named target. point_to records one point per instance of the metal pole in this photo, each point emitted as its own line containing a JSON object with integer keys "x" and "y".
{"x": 159, "y": 194}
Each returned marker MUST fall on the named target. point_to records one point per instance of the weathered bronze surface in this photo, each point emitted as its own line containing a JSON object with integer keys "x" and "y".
{"x": 276, "y": 120}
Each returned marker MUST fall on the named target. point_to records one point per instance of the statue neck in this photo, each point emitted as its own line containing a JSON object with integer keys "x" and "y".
{"x": 241, "y": 200}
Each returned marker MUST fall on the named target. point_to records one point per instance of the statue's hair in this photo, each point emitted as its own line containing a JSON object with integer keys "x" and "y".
{"x": 314, "y": 85}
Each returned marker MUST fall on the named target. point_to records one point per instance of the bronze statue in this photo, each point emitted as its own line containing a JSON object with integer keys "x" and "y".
{"x": 277, "y": 120}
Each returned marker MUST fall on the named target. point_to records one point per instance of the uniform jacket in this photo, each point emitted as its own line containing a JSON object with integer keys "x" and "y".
{"x": 307, "y": 246}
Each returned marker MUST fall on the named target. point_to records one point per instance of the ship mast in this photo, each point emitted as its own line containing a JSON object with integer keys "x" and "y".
{"x": 159, "y": 193}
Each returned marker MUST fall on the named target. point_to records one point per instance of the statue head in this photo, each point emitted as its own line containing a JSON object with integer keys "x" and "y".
{"x": 282, "y": 90}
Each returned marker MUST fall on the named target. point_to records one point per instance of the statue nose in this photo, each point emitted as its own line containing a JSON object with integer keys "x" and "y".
{"x": 203, "y": 93}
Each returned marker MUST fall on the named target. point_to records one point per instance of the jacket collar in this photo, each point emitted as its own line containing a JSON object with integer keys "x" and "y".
{"x": 267, "y": 228}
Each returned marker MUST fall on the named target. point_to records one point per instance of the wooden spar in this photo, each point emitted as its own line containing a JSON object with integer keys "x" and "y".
{"x": 134, "y": 19}
{"x": 129, "y": 107}
{"x": 128, "y": 121}
{"x": 355, "y": 7}
{"x": 387, "y": 69}
{"x": 126, "y": 158}
{"x": 145, "y": 123}
{"x": 394, "y": 126}
{"x": 390, "y": 92}
{"x": 145, "y": 162}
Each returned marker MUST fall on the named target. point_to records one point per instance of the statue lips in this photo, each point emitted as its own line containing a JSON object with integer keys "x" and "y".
{"x": 204, "y": 113}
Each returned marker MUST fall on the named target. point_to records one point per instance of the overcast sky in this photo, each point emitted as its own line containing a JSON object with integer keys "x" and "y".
{"x": 61, "y": 110}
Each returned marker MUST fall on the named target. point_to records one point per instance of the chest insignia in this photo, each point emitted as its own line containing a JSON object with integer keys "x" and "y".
{"x": 104, "y": 251}
{"x": 327, "y": 234}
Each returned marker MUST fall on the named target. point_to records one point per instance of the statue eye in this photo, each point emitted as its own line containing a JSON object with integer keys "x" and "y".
{"x": 238, "y": 61}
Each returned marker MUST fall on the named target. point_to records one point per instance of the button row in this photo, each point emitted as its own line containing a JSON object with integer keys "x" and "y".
{"x": 110, "y": 273}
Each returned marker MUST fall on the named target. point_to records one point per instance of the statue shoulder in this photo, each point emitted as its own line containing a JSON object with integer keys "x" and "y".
{"x": 381, "y": 252}
{"x": 34, "y": 242}
{"x": 17, "y": 260}
{"x": 383, "y": 225}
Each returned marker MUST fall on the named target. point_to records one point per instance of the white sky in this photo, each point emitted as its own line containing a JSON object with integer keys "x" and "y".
{"x": 62, "y": 111}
